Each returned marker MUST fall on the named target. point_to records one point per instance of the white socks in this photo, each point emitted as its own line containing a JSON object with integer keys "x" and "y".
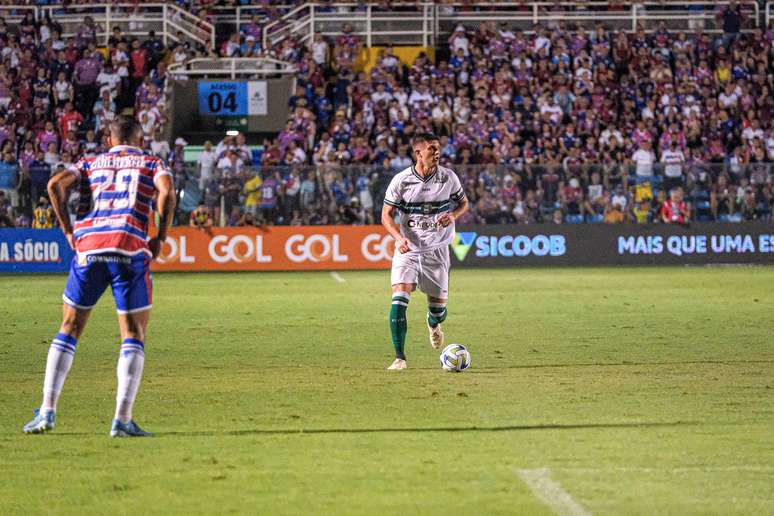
{"x": 129, "y": 373}
{"x": 60, "y": 358}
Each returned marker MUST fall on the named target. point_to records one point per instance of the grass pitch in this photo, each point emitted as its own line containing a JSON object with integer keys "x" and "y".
{"x": 635, "y": 391}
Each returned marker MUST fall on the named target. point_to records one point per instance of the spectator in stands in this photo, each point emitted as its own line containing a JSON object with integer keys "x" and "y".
{"x": 320, "y": 50}
{"x": 206, "y": 163}
{"x": 39, "y": 172}
{"x": 732, "y": 23}
{"x": 675, "y": 210}
{"x": 10, "y": 178}
{"x": 43, "y": 216}
{"x": 252, "y": 193}
{"x": 270, "y": 194}
{"x": 85, "y": 74}
{"x": 160, "y": 146}
{"x": 200, "y": 217}
{"x": 6, "y": 211}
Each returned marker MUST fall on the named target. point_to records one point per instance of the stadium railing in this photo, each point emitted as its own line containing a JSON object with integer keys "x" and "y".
{"x": 169, "y": 21}
{"x": 235, "y": 17}
{"x": 15, "y": 13}
{"x": 231, "y": 67}
{"x": 428, "y": 23}
{"x": 689, "y": 15}
{"x": 413, "y": 24}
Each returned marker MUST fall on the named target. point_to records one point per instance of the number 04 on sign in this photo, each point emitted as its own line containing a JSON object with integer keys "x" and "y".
{"x": 233, "y": 98}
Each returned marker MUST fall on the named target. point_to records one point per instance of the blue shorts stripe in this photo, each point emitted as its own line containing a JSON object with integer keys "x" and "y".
{"x": 69, "y": 339}
{"x": 134, "y": 341}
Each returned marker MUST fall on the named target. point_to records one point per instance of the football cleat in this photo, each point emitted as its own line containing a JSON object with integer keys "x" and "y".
{"x": 130, "y": 429}
{"x": 436, "y": 336}
{"x": 398, "y": 365}
{"x": 41, "y": 423}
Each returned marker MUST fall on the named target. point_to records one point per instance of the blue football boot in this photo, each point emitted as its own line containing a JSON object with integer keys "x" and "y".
{"x": 41, "y": 423}
{"x": 130, "y": 429}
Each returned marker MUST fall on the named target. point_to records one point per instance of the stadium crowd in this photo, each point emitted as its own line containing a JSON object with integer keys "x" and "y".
{"x": 556, "y": 125}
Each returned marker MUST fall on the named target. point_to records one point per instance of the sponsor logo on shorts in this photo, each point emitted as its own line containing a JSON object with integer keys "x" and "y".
{"x": 99, "y": 258}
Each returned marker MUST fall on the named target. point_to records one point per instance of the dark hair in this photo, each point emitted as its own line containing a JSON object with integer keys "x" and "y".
{"x": 125, "y": 130}
{"x": 423, "y": 138}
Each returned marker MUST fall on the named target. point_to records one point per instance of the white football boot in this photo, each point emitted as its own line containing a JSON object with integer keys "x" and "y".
{"x": 398, "y": 365}
{"x": 436, "y": 336}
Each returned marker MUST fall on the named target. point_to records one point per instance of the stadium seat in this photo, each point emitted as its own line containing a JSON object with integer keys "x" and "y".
{"x": 573, "y": 219}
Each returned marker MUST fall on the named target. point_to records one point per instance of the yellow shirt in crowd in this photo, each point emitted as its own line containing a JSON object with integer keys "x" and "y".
{"x": 253, "y": 191}
{"x": 43, "y": 218}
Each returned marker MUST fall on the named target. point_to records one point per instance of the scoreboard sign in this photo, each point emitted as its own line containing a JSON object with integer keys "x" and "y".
{"x": 233, "y": 98}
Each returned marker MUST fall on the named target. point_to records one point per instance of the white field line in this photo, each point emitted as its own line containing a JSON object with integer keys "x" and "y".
{"x": 551, "y": 493}
{"x": 687, "y": 469}
{"x": 335, "y": 275}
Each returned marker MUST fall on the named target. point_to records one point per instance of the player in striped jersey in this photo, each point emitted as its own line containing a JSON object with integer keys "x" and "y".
{"x": 112, "y": 248}
{"x": 429, "y": 198}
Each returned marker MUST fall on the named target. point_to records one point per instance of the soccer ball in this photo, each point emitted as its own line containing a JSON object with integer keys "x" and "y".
{"x": 455, "y": 358}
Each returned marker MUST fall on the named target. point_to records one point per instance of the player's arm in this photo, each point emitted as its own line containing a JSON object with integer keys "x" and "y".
{"x": 58, "y": 188}
{"x": 462, "y": 206}
{"x": 401, "y": 243}
{"x": 166, "y": 205}
{"x": 460, "y": 198}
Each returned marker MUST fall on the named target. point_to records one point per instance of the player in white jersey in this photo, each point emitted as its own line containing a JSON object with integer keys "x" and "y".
{"x": 428, "y": 198}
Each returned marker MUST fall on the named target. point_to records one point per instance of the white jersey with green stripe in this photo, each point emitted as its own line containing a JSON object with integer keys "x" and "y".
{"x": 421, "y": 201}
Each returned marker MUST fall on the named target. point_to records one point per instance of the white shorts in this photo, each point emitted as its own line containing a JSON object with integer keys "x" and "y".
{"x": 428, "y": 269}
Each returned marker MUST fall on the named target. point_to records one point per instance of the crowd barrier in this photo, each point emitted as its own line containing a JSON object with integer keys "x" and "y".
{"x": 602, "y": 244}
{"x": 288, "y": 248}
{"x": 34, "y": 250}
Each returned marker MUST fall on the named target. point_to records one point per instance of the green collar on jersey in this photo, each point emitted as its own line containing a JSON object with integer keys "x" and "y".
{"x": 419, "y": 176}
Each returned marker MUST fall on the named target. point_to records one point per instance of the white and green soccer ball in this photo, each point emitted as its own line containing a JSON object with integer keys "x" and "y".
{"x": 455, "y": 358}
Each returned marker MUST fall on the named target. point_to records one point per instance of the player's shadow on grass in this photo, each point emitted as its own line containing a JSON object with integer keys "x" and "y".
{"x": 505, "y": 428}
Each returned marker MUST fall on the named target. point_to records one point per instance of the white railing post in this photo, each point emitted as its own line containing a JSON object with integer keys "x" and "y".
{"x": 534, "y": 13}
{"x": 107, "y": 24}
{"x": 368, "y": 25}
{"x": 424, "y": 25}
{"x": 239, "y": 18}
{"x": 436, "y": 24}
{"x": 311, "y": 22}
{"x": 634, "y": 18}
{"x": 233, "y": 69}
{"x": 758, "y": 15}
{"x": 164, "y": 26}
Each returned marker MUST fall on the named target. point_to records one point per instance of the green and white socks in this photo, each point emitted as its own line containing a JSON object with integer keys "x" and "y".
{"x": 436, "y": 314}
{"x": 398, "y": 322}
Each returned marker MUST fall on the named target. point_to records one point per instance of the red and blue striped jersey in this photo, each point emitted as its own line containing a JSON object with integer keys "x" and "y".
{"x": 116, "y": 194}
